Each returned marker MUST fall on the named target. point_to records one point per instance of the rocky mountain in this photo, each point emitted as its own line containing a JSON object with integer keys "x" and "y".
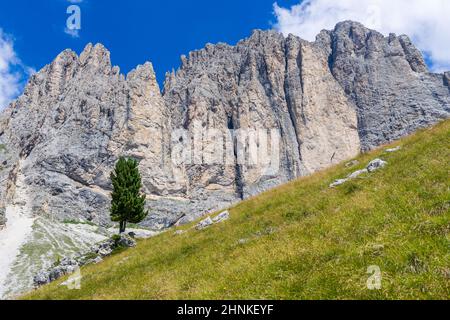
{"x": 319, "y": 102}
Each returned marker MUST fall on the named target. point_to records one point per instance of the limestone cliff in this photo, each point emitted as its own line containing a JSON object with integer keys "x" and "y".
{"x": 319, "y": 103}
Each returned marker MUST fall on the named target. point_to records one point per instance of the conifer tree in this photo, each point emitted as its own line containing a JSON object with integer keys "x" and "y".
{"x": 127, "y": 203}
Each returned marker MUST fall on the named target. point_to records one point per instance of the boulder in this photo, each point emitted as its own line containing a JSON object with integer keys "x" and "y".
{"x": 393, "y": 149}
{"x": 125, "y": 241}
{"x": 66, "y": 262}
{"x": 376, "y": 164}
{"x": 41, "y": 278}
{"x": 204, "y": 224}
{"x": 338, "y": 183}
{"x": 57, "y": 273}
{"x": 356, "y": 174}
{"x": 104, "y": 252}
{"x": 222, "y": 217}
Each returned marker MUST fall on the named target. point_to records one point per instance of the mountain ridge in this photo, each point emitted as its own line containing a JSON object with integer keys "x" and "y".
{"x": 349, "y": 91}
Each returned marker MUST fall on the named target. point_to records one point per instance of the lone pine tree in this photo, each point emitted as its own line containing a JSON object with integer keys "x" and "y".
{"x": 127, "y": 203}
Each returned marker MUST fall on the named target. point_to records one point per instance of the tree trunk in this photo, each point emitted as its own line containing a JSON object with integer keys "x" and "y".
{"x": 123, "y": 225}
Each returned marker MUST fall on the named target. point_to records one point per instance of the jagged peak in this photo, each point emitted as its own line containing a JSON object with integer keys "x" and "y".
{"x": 348, "y": 24}
{"x": 67, "y": 54}
{"x": 97, "y": 56}
{"x": 260, "y": 36}
{"x": 144, "y": 72}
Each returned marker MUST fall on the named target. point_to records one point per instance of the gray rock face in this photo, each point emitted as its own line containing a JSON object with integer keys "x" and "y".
{"x": 75, "y": 118}
{"x": 323, "y": 102}
{"x": 388, "y": 81}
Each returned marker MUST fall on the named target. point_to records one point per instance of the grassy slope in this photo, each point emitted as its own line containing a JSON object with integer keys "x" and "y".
{"x": 304, "y": 240}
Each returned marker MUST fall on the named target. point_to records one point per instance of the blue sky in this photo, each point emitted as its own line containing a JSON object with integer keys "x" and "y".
{"x": 32, "y": 32}
{"x": 134, "y": 30}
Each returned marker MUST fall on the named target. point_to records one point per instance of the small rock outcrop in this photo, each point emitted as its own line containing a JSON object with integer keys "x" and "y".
{"x": 374, "y": 165}
{"x": 392, "y": 150}
{"x": 224, "y": 216}
{"x": 95, "y": 255}
{"x": 204, "y": 224}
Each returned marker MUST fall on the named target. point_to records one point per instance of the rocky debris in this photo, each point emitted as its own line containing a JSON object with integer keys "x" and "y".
{"x": 222, "y": 217}
{"x": 65, "y": 266}
{"x": 104, "y": 249}
{"x": 356, "y": 174}
{"x": 209, "y": 222}
{"x": 352, "y": 89}
{"x": 393, "y": 149}
{"x": 179, "y": 232}
{"x": 374, "y": 165}
{"x": 338, "y": 182}
{"x": 95, "y": 255}
{"x": 125, "y": 241}
{"x": 204, "y": 224}
{"x": 41, "y": 278}
{"x": 243, "y": 241}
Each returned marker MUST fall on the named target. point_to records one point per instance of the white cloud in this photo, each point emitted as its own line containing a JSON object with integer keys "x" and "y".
{"x": 13, "y": 72}
{"x": 9, "y": 80}
{"x": 73, "y": 23}
{"x": 427, "y": 22}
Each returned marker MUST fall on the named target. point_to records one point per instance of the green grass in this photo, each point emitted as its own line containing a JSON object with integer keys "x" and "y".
{"x": 304, "y": 240}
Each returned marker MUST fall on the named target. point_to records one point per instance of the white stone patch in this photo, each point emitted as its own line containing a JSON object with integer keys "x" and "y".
{"x": 393, "y": 149}
{"x": 18, "y": 228}
{"x": 374, "y": 165}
